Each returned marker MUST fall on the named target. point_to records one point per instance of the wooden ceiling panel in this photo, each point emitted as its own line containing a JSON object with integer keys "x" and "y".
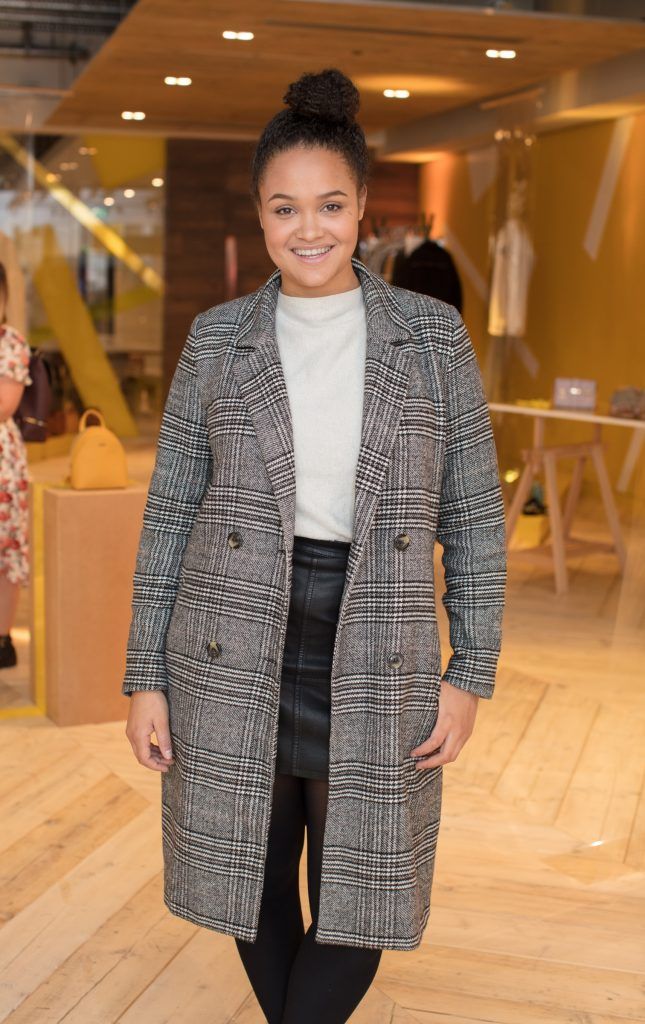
{"x": 438, "y": 54}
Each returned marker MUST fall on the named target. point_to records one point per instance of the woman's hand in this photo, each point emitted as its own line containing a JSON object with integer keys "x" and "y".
{"x": 148, "y": 714}
{"x": 455, "y": 722}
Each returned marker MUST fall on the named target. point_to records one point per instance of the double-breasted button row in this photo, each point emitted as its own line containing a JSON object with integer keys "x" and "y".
{"x": 395, "y": 660}
{"x": 234, "y": 539}
{"x": 401, "y": 541}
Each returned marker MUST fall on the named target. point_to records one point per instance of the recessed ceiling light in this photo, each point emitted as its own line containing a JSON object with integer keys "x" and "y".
{"x": 504, "y": 54}
{"x": 157, "y": 182}
{"x": 108, "y": 201}
{"x": 129, "y": 193}
{"x": 243, "y": 37}
{"x": 132, "y": 115}
{"x": 87, "y": 150}
{"x": 182, "y": 80}
{"x": 397, "y": 94}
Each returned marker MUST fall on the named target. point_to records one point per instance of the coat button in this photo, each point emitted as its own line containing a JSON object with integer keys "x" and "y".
{"x": 395, "y": 660}
{"x": 234, "y": 539}
{"x": 214, "y": 648}
{"x": 401, "y": 541}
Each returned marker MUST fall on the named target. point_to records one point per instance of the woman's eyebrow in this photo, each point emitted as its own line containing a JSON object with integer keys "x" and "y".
{"x": 325, "y": 195}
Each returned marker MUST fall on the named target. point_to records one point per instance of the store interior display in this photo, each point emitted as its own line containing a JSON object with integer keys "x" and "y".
{"x": 628, "y": 402}
{"x": 97, "y": 457}
{"x": 32, "y": 415}
{"x": 574, "y": 393}
{"x": 80, "y": 605}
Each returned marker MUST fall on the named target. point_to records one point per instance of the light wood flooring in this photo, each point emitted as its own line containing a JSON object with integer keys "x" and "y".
{"x": 538, "y": 911}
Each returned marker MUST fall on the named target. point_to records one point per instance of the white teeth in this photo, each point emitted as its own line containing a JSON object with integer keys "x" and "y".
{"x": 312, "y": 252}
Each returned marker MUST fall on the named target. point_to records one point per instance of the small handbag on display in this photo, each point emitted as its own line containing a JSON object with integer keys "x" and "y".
{"x": 628, "y": 403}
{"x": 97, "y": 456}
{"x": 35, "y": 405}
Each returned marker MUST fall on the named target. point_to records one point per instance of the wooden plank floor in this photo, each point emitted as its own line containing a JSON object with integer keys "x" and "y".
{"x": 538, "y": 910}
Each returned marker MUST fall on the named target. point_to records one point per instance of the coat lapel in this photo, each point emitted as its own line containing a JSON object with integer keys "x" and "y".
{"x": 258, "y": 368}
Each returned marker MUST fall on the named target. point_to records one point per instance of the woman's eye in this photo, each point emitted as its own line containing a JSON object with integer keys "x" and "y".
{"x": 284, "y": 209}
{"x": 332, "y": 207}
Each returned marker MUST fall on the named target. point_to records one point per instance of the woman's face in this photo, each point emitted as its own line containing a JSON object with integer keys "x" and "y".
{"x": 309, "y": 211}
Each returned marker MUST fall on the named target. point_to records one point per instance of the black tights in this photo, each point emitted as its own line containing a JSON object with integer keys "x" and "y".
{"x": 297, "y": 980}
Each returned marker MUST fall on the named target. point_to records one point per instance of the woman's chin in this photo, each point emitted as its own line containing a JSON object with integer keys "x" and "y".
{"x": 315, "y": 275}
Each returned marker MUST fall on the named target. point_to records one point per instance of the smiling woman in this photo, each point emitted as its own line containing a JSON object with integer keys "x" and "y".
{"x": 319, "y": 435}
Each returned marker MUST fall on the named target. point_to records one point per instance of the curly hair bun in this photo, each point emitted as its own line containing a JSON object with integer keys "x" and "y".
{"x": 328, "y": 96}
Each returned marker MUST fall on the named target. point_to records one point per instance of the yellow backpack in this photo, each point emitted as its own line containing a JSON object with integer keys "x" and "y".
{"x": 97, "y": 456}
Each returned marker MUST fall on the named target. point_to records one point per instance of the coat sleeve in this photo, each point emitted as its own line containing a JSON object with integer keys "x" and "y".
{"x": 471, "y": 526}
{"x": 180, "y": 477}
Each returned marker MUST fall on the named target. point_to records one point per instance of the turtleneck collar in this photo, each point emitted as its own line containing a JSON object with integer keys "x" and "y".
{"x": 322, "y": 309}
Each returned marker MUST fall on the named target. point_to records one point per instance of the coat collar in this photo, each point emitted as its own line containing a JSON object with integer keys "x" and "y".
{"x": 258, "y": 369}
{"x": 383, "y": 313}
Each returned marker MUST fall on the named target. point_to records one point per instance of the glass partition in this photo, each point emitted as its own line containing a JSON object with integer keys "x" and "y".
{"x": 82, "y": 240}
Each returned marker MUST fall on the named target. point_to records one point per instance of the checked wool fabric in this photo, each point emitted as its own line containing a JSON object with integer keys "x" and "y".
{"x": 211, "y": 599}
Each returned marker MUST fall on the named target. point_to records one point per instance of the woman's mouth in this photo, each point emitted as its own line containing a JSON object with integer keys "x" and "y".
{"x": 313, "y": 254}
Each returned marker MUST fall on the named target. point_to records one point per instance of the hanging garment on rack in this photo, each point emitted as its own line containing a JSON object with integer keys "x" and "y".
{"x": 429, "y": 270}
{"x": 512, "y": 268}
{"x": 379, "y": 254}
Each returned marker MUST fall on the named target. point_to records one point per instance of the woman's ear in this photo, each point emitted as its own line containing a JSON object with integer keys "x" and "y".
{"x": 259, "y": 212}
{"x": 362, "y": 199}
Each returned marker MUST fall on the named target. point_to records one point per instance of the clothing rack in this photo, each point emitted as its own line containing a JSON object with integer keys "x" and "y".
{"x": 408, "y": 256}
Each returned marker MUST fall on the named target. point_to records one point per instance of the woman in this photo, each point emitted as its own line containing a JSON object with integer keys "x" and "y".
{"x": 318, "y": 435}
{"x": 14, "y": 483}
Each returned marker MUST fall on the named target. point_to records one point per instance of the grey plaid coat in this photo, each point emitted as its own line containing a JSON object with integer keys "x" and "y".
{"x": 211, "y": 599}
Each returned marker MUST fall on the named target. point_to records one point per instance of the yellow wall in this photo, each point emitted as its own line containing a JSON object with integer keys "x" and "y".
{"x": 586, "y": 316}
{"x": 446, "y": 193}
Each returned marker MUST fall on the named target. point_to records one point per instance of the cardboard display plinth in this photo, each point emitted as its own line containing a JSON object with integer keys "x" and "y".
{"x": 90, "y": 540}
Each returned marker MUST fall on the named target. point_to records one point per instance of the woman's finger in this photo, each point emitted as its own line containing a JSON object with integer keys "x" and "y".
{"x": 162, "y": 732}
{"x": 448, "y": 753}
{"x": 144, "y": 751}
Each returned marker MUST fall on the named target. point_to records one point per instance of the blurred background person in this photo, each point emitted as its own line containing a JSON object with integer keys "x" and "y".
{"x": 14, "y": 482}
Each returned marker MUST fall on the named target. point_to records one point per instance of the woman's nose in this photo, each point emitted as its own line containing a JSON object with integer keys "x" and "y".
{"x": 309, "y": 228}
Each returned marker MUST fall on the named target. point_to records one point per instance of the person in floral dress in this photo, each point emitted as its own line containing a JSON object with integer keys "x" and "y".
{"x": 14, "y": 482}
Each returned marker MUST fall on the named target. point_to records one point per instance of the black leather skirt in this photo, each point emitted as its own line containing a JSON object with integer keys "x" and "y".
{"x": 319, "y": 568}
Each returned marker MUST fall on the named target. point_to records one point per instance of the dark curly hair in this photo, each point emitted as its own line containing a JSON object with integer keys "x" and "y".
{"x": 322, "y": 111}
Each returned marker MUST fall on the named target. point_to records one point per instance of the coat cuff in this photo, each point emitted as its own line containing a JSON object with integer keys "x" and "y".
{"x": 145, "y": 670}
{"x": 473, "y": 671}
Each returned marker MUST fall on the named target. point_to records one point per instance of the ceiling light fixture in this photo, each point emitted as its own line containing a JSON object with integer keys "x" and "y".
{"x": 108, "y": 201}
{"x": 132, "y": 115}
{"x": 503, "y": 54}
{"x": 182, "y": 80}
{"x": 157, "y": 182}
{"x": 397, "y": 94}
{"x": 129, "y": 193}
{"x": 243, "y": 37}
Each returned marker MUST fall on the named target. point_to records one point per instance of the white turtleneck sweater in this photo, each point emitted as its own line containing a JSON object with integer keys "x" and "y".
{"x": 322, "y": 350}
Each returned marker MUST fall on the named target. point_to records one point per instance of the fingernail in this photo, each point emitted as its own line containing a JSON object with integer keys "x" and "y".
{"x": 167, "y": 753}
